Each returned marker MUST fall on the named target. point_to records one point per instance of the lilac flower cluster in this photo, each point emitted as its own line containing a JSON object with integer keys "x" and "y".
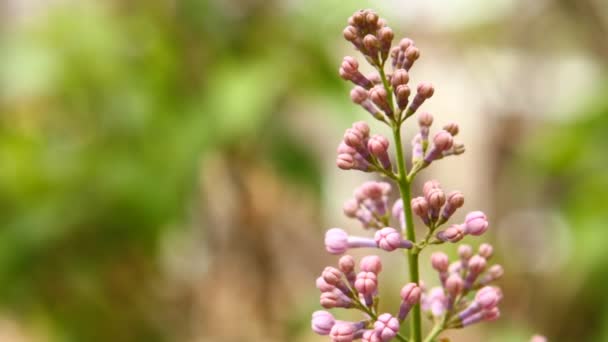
{"x": 343, "y": 287}
{"x": 465, "y": 295}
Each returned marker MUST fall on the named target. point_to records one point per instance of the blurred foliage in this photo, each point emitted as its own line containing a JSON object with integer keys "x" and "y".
{"x": 107, "y": 113}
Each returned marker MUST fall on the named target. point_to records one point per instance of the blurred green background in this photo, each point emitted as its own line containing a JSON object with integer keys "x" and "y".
{"x": 167, "y": 166}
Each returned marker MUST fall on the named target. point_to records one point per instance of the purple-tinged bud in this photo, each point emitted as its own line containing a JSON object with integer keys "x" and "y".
{"x": 398, "y": 214}
{"x": 477, "y": 264}
{"x": 429, "y": 185}
{"x": 350, "y": 208}
{"x": 353, "y": 138}
{"x": 346, "y": 264}
{"x": 367, "y": 285}
{"x": 345, "y": 161}
{"x": 455, "y": 267}
{"x": 487, "y": 298}
{"x": 372, "y": 45}
{"x": 349, "y": 71}
{"x": 343, "y": 148}
{"x": 486, "y": 250}
{"x": 454, "y": 233}
{"x": 385, "y": 35}
{"x": 334, "y": 299}
{"x": 371, "y": 263}
{"x": 454, "y": 201}
{"x": 411, "y": 55}
{"x": 390, "y": 239}
{"x": 439, "y": 261}
{"x": 332, "y": 275}
{"x": 538, "y": 338}
{"x": 417, "y": 148}
{"x": 322, "y": 322}
{"x": 443, "y": 140}
{"x": 378, "y": 147}
{"x": 420, "y": 207}
{"x": 486, "y": 316}
{"x": 451, "y": 128}
{"x": 436, "y": 301}
{"x": 494, "y": 273}
{"x": 402, "y": 94}
{"x": 410, "y": 296}
{"x": 350, "y": 65}
{"x": 386, "y": 326}
{"x": 370, "y": 336}
{"x": 457, "y": 149}
{"x": 424, "y": 92}
{"x": 399, "y": 77}
{"x": 465, "y": 252}
{"x": 336, "y": 241}
{"x": 361, "y": 127}
{"x": 323, "y": 286}
{"x": 358, "y": 95}
{"x": 350, "y": 33}
{"x": 371, "y": 18}
{"x": 379, "y": 97}
{"x": 454, "y": 285}
{"x": 436, "y": 199}
{"x": 405, "y": 43}
{"x": 476, "y": 223}
{"x": 343, "y": 332}
{"x": 359, "y": 18}
{"x": 425, "y": 119}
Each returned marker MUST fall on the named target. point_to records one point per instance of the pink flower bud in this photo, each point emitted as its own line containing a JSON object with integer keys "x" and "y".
{"x": 465, "y": 252}
{"x": 405, "y": 43}
{"x": 400, "y": 77}
{"x": 410, "y": 293}
{"x": 411, "y": 55}
{"x": 477, "y": 264}
{"x": 353, "y": 138}
{"x": 346, "y": 264}
{"x": 350, "y": 208}
{"x": 323, "y": 286}
{"x": 350, "y": 65}
{"x": 361, "y": 127}
{"x": 386, "y": 326}
{"x": 436, "y": 199}
{"x": 350, "y": 33}
{"x": 455, "y": 200}
{"x": 336, "y": 241}
{"x": 390, "y": 239}
{"x": 476, "y": 223}
{"x": 424, "y": 92}
{"x": 454, "y": 285}
{"x": 345, "y": 161}
{"x": 439, "y": 261}
{"x": 410, "y": 296}
{"x": 342, "y": 332}
{"x": 420, "y": 207}
{"x": 443, "y": 140}
{"x": 332, "y": 275}
{"x": 486, "y": 250}
{"x": 358, "y": 94}
{"x": 371, "y": 44}
{"x": 454, "y": 233}
{"x": 378, "y": 147}
{"x": 366, "y": 282}
{"x": 487, "y": 298}
{"x": 402, "y": 94}
{"x": 451, "y": 128}
{"x": 379, "y": 97}
{"x": 370, "y": 336}
{"x": 496, "y": 272}
{"x": 322, "y": 322}
{"x": 334, "y": 299}
{"x": 429, "y": 185}
{"x": 371, "y": 263}
{"x": 425, "y": 119}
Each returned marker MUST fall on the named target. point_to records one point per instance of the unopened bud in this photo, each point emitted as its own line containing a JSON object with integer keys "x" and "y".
{"x": 486, "y": 250}
{"x": 452, "y": 128}
{"x": 379, "y": 96}
{"x": 371, "y": 263}
{"x": 402, "y": 93}
{"x": 399, "y": 77}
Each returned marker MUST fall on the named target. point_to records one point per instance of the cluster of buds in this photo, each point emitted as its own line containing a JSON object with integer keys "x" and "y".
{"x": 370, "y": 205}
{"x": 459, "y": 279}
{"x": 443, "y": 144}
{"x": 361, "y": 152}
{"x": 466, "y": 294}
{"x": 343, "y": 287}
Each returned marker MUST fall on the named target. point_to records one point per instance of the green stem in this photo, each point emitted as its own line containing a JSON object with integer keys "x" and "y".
{"x": 406, "y": 196}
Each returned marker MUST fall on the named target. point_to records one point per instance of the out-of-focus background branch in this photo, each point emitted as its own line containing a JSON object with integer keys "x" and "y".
{"x": 166, "y": 166}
